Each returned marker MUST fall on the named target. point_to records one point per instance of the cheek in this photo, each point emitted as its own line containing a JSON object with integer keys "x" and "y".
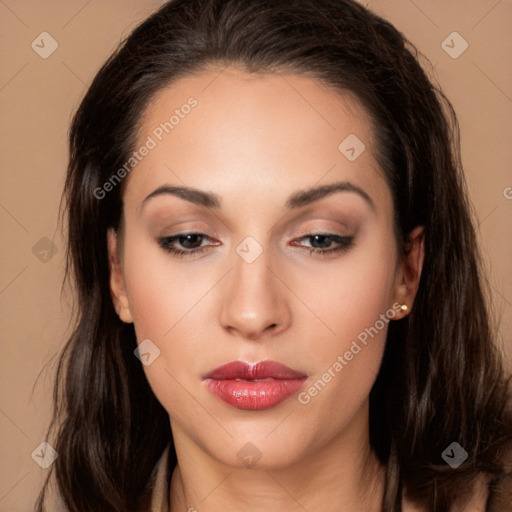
{"x": 160, "y": 291}
{"x": 167, "y": 305}
{"x": 350, "y": 296}
{"x": 356, "y": 303}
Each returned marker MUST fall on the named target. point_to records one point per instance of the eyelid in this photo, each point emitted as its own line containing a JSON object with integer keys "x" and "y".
{"x": 311, "y": 227}
{"x": 341, "y": 230}
{"x": 189, "y": 227}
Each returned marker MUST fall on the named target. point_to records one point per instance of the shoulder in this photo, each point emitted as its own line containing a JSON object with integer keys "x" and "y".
{"x": 490, "y": 495}
{"x": 479, "y": 497}
{"x": 500, "y": 489}
{"x": 487, "y": 495}
{"x": 500, "y": 494}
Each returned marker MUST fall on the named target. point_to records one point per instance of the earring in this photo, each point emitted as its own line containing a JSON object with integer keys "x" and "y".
{"x": 404, "y": 307}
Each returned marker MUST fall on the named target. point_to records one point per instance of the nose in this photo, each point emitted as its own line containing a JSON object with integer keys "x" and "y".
{"x": 254, "y": 302}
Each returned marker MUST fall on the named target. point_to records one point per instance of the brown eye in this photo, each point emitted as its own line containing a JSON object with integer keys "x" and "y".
{"x": 191, "y": 242}
{"x": 325, "y": 240}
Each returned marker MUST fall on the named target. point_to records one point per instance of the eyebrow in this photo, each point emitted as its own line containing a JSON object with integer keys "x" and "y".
{"x": 298, "y": 199}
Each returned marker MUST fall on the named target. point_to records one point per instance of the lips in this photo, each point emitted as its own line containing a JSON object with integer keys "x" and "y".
{"x": 254, "y": 386}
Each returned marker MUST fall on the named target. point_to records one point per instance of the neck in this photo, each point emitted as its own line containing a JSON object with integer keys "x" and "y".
{"x": 344, "y": 472}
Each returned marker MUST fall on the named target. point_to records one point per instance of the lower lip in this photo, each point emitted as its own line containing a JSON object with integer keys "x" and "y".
{"x": 254, "y": 395}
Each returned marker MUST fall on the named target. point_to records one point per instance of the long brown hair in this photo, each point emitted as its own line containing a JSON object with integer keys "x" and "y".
{"x": 442, "y": 378}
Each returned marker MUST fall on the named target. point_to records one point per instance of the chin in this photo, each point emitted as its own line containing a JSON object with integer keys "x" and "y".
{"x": 278, "y": 451}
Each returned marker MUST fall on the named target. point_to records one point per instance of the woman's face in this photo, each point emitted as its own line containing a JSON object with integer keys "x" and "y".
{"x": 259, "y": 144}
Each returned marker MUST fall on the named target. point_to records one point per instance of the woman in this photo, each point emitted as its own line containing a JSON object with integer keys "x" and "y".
{"x": 280, "y": 302}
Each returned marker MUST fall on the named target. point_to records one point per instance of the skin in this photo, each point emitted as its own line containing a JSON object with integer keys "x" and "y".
{"x": 254, "y": 140}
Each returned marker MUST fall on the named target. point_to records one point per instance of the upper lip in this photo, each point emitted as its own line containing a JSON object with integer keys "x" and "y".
{"x": 253, "y": 371}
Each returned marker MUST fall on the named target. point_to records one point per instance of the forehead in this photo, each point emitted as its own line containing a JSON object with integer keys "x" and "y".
{"x": 254, "y": 130}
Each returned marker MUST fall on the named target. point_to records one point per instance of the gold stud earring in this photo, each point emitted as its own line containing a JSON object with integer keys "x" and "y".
{"x": 404, "y": 307}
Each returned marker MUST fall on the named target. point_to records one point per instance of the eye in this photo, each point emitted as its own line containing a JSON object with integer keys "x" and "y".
{"x": 344, "y": 243}
{"x": 191, "y": 243}
{"x": 187, "y": 240}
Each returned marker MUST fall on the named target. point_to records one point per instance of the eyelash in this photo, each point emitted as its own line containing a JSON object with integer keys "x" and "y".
{"x": 346, "y": 242}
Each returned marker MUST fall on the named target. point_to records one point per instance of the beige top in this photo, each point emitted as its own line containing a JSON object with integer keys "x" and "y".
{"x": 162, "y": 478}
{"x": 500, "y": 501}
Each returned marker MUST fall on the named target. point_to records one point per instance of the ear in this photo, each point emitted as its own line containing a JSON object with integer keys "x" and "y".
{"x": 117, "y": 286}
{"x": 409, "y": 270}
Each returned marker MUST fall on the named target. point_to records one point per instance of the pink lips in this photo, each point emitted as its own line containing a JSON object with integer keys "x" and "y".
{"x": 254, "y": 386}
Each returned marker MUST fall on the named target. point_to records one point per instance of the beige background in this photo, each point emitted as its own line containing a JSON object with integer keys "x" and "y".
{"x": 37, "y": 99}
